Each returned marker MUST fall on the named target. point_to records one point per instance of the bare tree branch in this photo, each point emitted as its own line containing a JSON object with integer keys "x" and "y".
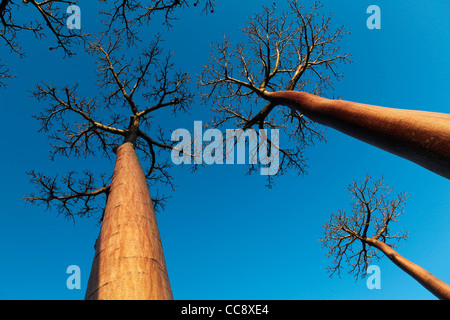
{"x": 127, "y": 16}
{"x": 71, "y": 136}
{"x": 50, "y": 19}
{"x": 4, "y": 74}
{"x": 70, "y": 196}
{"x": 123, "y": 16}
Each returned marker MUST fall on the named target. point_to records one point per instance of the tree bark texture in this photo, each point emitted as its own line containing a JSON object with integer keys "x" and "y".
{"x": 433, "y": 284}
{"x": 129, "y": 261}
{"x": 419, "y": 136}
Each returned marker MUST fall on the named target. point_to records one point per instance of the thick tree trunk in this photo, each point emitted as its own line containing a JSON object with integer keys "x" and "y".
{"x": 129, "y": 261}
{"x": 419, "y": 136}
{"x": 436, "y": 286}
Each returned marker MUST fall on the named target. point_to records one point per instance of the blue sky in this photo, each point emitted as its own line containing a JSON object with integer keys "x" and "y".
{"x": 225, "y": 235}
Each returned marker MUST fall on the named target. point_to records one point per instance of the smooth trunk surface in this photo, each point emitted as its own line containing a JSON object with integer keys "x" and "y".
{"x": 129, "y": 261}
{"x": 433, "y": 284}
{"x": 419, "y": 136}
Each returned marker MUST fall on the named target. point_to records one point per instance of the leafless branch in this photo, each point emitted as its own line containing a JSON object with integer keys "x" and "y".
{"x": 4, "y": 74}
{"x": 68, "y": 195}
{"x": 127, "y": 16}
{"x": 50, "y": 19}
{"x": 123, "y": 16}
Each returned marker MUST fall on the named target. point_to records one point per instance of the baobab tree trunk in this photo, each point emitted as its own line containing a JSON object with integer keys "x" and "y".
{"x": 129, "y": 261}
{"x": 433, "y": 284}
{"x": 419, "y": 136}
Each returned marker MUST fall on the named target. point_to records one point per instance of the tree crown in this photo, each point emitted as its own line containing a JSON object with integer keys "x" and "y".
{"x": 374, "y": 210}
{"x": 293, "y": 50}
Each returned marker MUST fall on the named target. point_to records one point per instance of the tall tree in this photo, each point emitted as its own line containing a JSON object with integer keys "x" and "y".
{"x": 129, "y": 261}
{"x": 122, "y": 119}
{"x": 289, "y": 61}
{"x": 357, "y": 238}
{"x": 293, "y": 50}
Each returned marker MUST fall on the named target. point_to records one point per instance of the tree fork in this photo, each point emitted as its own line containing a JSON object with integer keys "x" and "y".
{"x": 433, "y": 284}
{"x": 129, "y": 261}
{"x": 133, "y": 128}
{"x": 419, "y": 136}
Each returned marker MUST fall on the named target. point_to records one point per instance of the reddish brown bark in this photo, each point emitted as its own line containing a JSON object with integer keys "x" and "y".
{"x": 433, "y": 284}
{"x": 129, "y": 261}
{"x": 419, "y": 136}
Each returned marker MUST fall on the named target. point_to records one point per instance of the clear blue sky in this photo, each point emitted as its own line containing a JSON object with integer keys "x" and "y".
{"x": 225, "y": 235}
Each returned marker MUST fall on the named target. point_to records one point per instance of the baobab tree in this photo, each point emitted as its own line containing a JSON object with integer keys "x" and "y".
{"x": 129, "y": 261}
{"x": 356, "y": 239}
{"x": 289, "y": 61}
{"x": 293, "y": 50}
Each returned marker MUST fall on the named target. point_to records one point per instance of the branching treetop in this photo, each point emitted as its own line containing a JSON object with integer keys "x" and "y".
{"x": 373, "y": 212}
{"x": 131, "y": 93}
{"x": 294, "y": 50}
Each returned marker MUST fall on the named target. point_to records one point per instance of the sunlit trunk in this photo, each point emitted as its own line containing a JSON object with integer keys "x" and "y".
{"x": 433, "y": 284}
{"x": 129, "y": 261}
{"x": 419, "y": 136}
